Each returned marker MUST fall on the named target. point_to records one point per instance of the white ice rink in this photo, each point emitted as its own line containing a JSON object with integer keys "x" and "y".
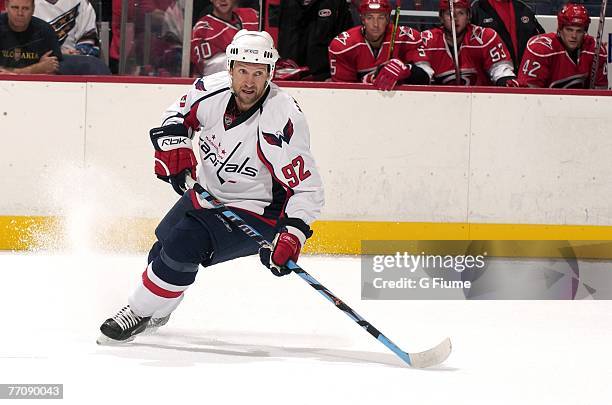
{"x": 244, "y": 336}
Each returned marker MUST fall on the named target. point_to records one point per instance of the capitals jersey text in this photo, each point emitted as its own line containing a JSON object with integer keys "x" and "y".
{"x": 211, "y": 35}
{"x": 259, "y": 161}
{"x": 351, "y": 57}
{"x": 483, "y": 57}
{"x": 546, "y": 63}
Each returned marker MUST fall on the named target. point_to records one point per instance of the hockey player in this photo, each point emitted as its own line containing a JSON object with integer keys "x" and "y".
{"x": 362, "y": 53}
{"x": 483, "y": 57}
{"x": 74, "y": 22}
{"x": 564, "y": 59}
{"x": 254, "y": 148}
{"x": 213, "y": 33}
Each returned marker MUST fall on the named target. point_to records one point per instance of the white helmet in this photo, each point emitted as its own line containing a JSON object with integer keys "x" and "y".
{"x": 252, "y": 47}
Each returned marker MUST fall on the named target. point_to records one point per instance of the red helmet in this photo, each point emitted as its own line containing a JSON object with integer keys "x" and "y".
{"x": 456, "y": 4}
{"x": 573, "y": 14}
{"x": 374, "y": 6}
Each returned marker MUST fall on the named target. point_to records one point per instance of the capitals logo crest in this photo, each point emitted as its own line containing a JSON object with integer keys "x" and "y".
{"x": 278, "y": 138}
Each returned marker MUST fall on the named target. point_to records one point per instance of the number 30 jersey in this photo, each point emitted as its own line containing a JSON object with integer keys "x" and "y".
{"x": 259, "y": 160}
{"x": 483, "y": 57}
{"x": 211, "y": 36}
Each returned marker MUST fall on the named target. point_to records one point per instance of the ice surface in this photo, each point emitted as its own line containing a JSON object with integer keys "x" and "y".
{"x": 244, "y": 336}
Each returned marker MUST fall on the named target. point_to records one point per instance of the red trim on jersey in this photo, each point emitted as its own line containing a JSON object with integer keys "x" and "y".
{"x": 312, "y": 85}
{"x": 191, "y": 119}
{"x": 157, "y": 290}
{"x": 268, "y": 165}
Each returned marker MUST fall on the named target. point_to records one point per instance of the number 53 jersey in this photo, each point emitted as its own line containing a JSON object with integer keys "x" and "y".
{"x": 259, "y": 160}
{"x": 483, "y": 57}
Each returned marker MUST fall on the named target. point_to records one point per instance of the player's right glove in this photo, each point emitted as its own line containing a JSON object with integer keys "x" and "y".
{"x": 392, "y": 72}
{"x": 174, "y": 158}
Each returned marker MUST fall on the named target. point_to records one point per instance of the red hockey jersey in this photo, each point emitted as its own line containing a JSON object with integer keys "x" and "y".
{"x": 351, "y": 57}
{"x": 211, "y": 35}
{"x": 546, "y": 63}
{"x": 483, "y": 57}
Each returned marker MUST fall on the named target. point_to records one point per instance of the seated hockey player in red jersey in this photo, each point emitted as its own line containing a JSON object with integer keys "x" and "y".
{"x": 484, "y": 60}
{"x": 564, "y": 59}
{"x": 362, "y": 52}
{"x": 214, "y": 32}
{"x": 254, "y": 147}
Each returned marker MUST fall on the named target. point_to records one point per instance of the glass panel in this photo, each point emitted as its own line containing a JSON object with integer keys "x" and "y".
{"x": 152, "y": 37}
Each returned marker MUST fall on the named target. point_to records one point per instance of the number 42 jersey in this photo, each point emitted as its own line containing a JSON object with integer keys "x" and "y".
{"x": 259, "y": 160}
{"x": 546, "y": 63}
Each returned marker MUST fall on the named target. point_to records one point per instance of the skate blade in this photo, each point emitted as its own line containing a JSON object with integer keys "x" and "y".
{"x": 104, "y": 340}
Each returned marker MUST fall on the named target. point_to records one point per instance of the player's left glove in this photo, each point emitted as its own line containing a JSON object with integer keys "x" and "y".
{"x": 174, "y": 158}
{"x": 286, "y": 246}
{"x": 392, "y": 72}
{"x": 369, "y": 78}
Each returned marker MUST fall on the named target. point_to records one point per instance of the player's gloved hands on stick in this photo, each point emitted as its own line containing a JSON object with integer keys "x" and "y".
{"x": 286, "y": 246}
{"x": 174, "y": 157}
{"x": 392, "y": 72}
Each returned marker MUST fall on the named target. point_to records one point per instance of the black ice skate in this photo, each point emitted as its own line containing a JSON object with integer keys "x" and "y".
{"x": 122, "y": 327}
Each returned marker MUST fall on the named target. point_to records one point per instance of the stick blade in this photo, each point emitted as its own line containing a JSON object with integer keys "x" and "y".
{"x": 433, "y": 356}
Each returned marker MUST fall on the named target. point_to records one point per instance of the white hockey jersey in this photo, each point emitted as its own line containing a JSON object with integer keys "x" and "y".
{"x": 74, "y": 21}
{"x": 261, "y": 162}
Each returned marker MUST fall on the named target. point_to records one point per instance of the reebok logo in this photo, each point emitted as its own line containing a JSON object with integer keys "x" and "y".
{"x": 173, "y": 141}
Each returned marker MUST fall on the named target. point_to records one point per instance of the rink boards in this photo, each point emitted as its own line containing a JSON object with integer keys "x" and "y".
{"x": 420, "y": 163}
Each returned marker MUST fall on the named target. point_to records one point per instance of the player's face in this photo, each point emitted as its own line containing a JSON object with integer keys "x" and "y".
{"x": 462, "y": 19}
{"x": 249, "y": 83}
{"x": 572, "y": 37}
{"x": 375, "y": 25}
{"x": 19, "y": 14}
{"x": 223, "y": 6}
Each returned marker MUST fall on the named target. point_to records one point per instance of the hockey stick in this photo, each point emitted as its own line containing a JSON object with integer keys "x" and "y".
{"x": 431, "y": 357}
{"x": 598, "y": 41}
{"x": 261, "y": 22}
{"x": 398, "y": 10}
{"x": 451, "y": 10}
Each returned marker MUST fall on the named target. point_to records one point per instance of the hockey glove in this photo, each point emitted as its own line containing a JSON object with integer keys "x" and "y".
{"x": 286, "y": 246}
{"x": 369, "y": 77}
{"x": 512, "y": 83}
{"x": 507, "y": 81}
{"x": 174, "y": 158}
{"x": 392, "y": 72}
